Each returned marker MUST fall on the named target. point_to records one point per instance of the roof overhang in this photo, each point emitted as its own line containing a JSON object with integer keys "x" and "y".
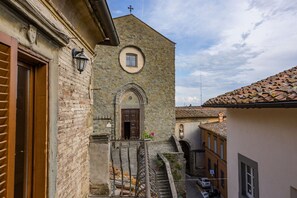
{"x": 103, "y": 16}
{"x": 98, "y": 10}
{"x": 285, "y": 104}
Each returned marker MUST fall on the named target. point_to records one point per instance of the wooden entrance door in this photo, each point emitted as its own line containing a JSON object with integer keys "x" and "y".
{"x": 31, "y": 129}
{"x": 23, "y": 126}
{"x": 24, "y": 131}
{"x": 130, "y": 124}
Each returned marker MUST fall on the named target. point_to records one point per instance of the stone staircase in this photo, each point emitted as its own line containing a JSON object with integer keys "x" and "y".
{"x": 163, "y": 184}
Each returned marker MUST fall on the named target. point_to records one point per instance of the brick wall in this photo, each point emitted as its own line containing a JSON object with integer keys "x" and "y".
{"x": 74, "y": 127}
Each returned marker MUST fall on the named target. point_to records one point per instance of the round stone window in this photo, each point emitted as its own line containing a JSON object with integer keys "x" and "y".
{"x": 131, "y": 59}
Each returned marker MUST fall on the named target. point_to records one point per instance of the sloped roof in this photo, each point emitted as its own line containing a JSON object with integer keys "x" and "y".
{"x": 219, "y": 128}
{"x": 279, "y": 90}
{"x": 131, "y": 15}
{"x": 198, "y": 112}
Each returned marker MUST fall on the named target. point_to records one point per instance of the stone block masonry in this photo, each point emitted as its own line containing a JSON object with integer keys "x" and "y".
{"x": 156, "y": 78}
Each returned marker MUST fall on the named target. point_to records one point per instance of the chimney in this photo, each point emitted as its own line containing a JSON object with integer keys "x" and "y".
{"x": 221, "y": 117}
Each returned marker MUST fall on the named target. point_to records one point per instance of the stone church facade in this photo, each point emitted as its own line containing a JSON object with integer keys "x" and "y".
{"x": 134, "y": 83}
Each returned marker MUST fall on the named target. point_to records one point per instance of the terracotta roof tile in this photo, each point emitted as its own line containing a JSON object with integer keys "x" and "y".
{"x": 219, "y": 128}
{"x": 198, "y": 112}
{"x": 279, "y": 88}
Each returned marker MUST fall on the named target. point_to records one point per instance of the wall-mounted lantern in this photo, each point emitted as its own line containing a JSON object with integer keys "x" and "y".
{"x": 80, "y": 59}
{"x": 181, "y": 131}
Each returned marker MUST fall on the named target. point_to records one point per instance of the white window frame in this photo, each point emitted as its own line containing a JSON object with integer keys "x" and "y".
{"x": 208, "y": 141}
{"x": 222, "y": 150}
{"x": 250, "y": 183}
{"x": 215, "y": 146}
{"x": 248, "y": 177}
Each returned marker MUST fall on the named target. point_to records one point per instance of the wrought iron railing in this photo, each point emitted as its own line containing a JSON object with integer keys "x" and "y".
{"x": 131, "y": 174}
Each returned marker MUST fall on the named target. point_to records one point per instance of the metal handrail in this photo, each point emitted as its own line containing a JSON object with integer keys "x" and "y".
{"x": 147, "y": 173}
{"x": 145, "y": 176}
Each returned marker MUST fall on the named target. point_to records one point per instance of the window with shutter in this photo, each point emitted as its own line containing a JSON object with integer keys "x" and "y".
{"x": 8, "y": 52}
{"x": 33, "y": 183}
{"x": 4, "y": 65}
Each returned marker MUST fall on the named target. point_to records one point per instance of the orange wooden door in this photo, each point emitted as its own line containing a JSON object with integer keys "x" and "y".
{"x": 24, "y": 132}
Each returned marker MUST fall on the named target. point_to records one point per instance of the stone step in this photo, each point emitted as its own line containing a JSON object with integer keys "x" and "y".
{"x": 165, "y": 196}
{"x": 163, "y": 184}
{"x": 165, "y": 193}
{"x": 161, "y": 173}
{"x": 162, "y": 179}
{"x": 165, "y": 190}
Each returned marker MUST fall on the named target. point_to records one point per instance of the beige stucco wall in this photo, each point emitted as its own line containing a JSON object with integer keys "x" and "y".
{"x": 269, "y": 137}
{"x": 192, "y": 132}
{"x": 193, "y": 135}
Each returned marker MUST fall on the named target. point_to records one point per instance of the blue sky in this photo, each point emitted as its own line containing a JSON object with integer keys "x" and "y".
{"x": 229, "y": 44}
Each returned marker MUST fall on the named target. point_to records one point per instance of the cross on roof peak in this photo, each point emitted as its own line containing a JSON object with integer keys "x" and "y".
{"x": 130, "y": 8}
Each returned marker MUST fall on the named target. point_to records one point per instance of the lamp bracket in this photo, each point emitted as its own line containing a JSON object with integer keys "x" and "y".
{"x": 75, "y": 52}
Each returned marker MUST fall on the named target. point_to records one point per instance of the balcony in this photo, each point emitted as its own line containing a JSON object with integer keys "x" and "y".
{"x": 121, "y": 168}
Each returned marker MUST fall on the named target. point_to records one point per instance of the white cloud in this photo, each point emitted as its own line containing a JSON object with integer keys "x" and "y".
{"x": 253, "y": 39}
{"x": 184, "y": 96}
{"x": 118, "y": 12}
{"x": 198, "y": 73}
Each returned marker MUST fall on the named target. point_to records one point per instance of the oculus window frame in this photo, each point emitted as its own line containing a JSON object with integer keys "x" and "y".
{"x": 128, "y": 65}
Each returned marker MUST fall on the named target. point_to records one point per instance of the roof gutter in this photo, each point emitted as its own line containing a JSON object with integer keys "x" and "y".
{"x": 103, "y": 15}
{"x": 189, "y": 117}
{"x": 286, "y": 104}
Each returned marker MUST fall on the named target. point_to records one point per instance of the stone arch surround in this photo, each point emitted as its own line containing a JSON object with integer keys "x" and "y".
{"x": 186, "y": 147}
{"x": 143, "y": 101}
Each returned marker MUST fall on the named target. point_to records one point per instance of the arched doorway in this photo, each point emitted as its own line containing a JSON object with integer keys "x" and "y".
{"x": 186, "y": 147}
{"x": 129, "y": 115}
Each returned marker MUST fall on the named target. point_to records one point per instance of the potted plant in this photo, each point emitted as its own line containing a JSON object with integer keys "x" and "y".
{"x": 148, "y": 136}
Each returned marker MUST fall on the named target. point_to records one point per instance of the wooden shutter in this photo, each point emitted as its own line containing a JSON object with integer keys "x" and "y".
{"x": 8, "y": 66}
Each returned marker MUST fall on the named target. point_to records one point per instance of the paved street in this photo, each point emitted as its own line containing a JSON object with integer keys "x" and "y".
{"x": 192, "y": 189}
